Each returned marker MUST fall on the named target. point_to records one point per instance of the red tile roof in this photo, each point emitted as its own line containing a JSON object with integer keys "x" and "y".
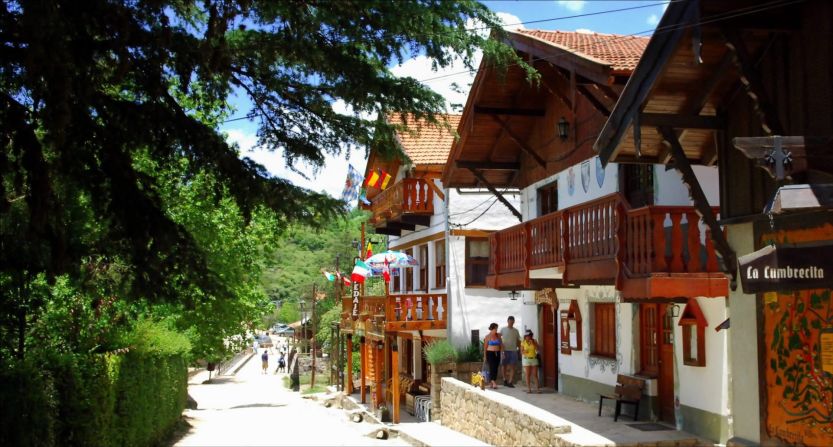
{"x": 429, "y": 144}
{"x": 622, "y": 53}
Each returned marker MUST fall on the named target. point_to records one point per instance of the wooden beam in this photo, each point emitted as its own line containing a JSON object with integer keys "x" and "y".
{"x": 435, "y": 188}
{"x": 770, "y": 122}
{"x": 695, "y": 104}
{"x": 680, "y": 121}
{"x": 701, "y": 203}
{"x": 510, "y": 111}
{"x": 479, "y": 176}
{"x": 594, "y": 101}
{"x": 517, "y": 140}
{"x": 488, "y": 165}
{"x": 471, "y": 233}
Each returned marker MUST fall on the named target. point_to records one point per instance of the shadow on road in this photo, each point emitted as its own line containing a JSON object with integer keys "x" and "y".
{"x": 256, "y": 406}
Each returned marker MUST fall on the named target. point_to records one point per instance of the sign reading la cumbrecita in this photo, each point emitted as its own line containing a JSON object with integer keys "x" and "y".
{"x": 787, "y": 267}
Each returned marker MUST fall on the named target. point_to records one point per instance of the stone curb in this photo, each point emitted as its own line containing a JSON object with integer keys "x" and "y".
{"x": 234, "y": 369}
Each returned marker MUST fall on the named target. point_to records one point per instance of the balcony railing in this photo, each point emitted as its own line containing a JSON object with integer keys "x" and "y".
{"x": 407, "y": 196}
{"x": 419, "y": 311}
{"x": 603, "y": 241}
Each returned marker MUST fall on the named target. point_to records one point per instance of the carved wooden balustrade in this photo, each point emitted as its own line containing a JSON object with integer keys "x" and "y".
{"x": 373, "y": 313}
{"x": 419, "y": 311}
{"x": 647, "y": 252}
{"x": 408, "y": 196}
{"x": 346, "y": 321}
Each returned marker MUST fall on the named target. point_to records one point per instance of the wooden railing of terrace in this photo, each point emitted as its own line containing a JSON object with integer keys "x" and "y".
{"x": 413, "y": 312}
{"x": 410, "y": 196}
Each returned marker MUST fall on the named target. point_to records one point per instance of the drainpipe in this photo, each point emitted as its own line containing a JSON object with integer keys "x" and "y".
{"x": 448, "y": 311}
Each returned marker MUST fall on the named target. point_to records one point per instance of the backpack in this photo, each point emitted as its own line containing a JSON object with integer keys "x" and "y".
{"x": 264, "y": 357}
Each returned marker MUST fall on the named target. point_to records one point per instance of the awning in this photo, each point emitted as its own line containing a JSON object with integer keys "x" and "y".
{"x": 787, "y": 267}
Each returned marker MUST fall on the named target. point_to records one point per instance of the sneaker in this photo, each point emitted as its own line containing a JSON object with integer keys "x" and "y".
{"x": 509, "y": 385}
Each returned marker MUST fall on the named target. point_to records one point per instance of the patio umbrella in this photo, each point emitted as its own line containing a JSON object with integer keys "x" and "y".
{"x": 392, "y": 259}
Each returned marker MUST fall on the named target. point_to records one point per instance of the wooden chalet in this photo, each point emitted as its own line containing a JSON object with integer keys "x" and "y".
{"x": 391, "y": 328}
{"x": 747, "y": 86}
{"x": 514, "y": 133}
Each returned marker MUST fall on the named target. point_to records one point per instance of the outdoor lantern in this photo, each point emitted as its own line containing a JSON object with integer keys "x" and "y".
{"x": 563, "y": 127}
{"x": 513, "y": 295}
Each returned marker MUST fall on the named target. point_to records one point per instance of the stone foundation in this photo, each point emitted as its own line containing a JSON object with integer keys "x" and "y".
{"x": 499, "y": 419}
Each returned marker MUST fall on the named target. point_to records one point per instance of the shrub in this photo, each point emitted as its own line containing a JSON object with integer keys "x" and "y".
{"x": 28, "y": 399}
{"x": 470, "y": 353}
{"x": 440, "y": 351}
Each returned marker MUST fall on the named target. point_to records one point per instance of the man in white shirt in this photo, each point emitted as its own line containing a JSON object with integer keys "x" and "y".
{"x": 511, "y": 346}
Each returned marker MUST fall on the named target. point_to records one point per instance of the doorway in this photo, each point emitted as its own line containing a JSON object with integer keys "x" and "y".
{"x": 549, "y": 343}
{"x": 657, "y": 354}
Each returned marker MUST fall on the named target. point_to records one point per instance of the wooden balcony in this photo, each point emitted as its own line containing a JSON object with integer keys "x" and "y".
{"x": 416, "y": 312}
{"x": 647, "y": 252}
{"x": 403, "y": 206}
{"x": 346, "y": 321}
{"x": 373, "y": 314}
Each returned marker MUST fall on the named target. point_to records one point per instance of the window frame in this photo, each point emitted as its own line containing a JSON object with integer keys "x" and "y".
{"x": 549, "y": 191}
{"x": 471, "y": 262}
{"x": 409, "y": 273}
{"x": 439, "y": 267}
{"x": 693, "y": 321}
{"x": 423, "y": 267}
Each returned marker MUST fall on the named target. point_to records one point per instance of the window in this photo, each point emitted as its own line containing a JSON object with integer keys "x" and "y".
{"x": 548, "y": 199}
{"x": 477, "y": 261}
{"x": 423, "y": 267}
{"x": 395, "y": 280}
{"x": 571, "y": 329}
{"x": 409, "y": 273}
{"x": 694, "y": 332}
{"x": 638, "y": 184}
{"x": 604, "y": 330}
{"x": 439, "y": 264}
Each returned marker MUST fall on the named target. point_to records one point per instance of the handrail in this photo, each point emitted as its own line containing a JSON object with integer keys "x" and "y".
{"x": 417, "y": 307}
{"x": 646, "y": 240}
{"x": 407, "y": 196}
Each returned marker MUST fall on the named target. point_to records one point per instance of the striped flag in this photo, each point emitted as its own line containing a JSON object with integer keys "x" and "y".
{"x": 360, "y": 272}
{"x": 385, "y": 179}
{"x": 373, "y": 178}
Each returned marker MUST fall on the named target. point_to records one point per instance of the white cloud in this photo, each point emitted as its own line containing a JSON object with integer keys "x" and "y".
{"x": 572, "y": 5}
{"x": 510, "y": 21}
{"x": 329, "y": 178}
{"x": 585, "y": 31}
{"x": 653, "y": 19}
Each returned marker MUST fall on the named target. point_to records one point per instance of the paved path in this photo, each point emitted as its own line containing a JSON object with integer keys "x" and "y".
{"x": 252, "y": 409}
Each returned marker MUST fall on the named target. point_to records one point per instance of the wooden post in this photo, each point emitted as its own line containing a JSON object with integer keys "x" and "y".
{"x": 395, "y": 381}
{"x": 349, "y": 387}
{"x": 363, "y": 373}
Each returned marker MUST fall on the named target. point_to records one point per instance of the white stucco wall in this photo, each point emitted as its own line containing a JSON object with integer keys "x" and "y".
{"x": 479, "y": 209}
{"x": 669, "y": 188}
{"x": 579, "y": 363}
{"x": 577, "y": 194}
{"x": 694, "y": 380}
{"x": 475, "y": 308}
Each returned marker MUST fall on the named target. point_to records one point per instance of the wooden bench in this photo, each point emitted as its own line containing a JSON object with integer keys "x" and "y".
{"x": 628, "y": 391}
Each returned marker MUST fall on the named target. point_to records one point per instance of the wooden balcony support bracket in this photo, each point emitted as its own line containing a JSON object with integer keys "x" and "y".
{"x": 518, "y": 141}
{"x": 770, "y": 122}
{"x": 493, "y": 190}
{"x": 435, "y": 188}
{"x": 594, "y": 101}
{"x": 682, "y": 164}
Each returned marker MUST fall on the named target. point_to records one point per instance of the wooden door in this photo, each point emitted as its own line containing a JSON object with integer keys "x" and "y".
{"x": 549, "y": 347}
{"x": 666, "y": 365}
{"x": 657, "y": 354}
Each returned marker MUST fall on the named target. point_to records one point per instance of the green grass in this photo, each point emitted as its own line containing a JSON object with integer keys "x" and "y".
{"x": 321, "y": 382}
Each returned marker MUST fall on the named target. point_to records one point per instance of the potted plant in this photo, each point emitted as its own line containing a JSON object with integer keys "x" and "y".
{"x": 440, "y": 355}
{"x": 469, "y": 361}
{"x": 383, "y": 413}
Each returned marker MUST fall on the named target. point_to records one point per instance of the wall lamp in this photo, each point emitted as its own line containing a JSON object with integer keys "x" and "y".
{"x": 563, "y": 128}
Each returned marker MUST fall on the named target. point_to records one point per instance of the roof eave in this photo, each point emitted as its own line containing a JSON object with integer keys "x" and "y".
{"x": 642, "y": 80}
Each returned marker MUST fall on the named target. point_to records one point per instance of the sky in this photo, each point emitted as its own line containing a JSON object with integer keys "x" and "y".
{"x": 601, "y": 16}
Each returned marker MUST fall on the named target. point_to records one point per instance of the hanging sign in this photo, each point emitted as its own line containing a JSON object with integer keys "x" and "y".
{"x": 787, "y": 267}
{"x": 356, "y": 294}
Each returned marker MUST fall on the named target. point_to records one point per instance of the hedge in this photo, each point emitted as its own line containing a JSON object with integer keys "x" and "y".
{"x": 129, "y": 399}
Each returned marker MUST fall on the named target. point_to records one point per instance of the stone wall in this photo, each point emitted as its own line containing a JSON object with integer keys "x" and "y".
{"x": 498, "y": 419}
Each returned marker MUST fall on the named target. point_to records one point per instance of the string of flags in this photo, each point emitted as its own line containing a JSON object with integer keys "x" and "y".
{"x": 333, "y": 276}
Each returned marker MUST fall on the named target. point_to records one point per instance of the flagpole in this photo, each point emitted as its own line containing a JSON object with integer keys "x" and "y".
{"x": 312, "y": 322}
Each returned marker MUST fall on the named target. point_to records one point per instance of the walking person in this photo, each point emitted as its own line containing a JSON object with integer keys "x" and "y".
{"x": 511, "y": 345}
{"x": 529, "y": 350}
{"x": 264, "y": 360}
{"x": 492, "y": 346}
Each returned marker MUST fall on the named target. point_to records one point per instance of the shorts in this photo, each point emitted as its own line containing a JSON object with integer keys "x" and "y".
{"x": 510, "y": 358}
{"x": 529, "y": 361}
{"x": 265, "y": 364}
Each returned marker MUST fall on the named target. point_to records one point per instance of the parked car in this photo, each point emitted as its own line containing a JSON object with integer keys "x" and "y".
{"x": 263, "y": 340}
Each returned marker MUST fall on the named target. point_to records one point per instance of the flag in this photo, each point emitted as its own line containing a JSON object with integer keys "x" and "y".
{"x": 373, "y": 179}
{"x": 369, "y": 250}
{"x": 346, "y": 280}
{"x": 363, "y": 199}
{"x": 351, "y": 185}
{"x": 386, "y": 274}
{"x": 385, "y": 179}
{"x": 328, "y": 275}
{"x": 360, "y": 272}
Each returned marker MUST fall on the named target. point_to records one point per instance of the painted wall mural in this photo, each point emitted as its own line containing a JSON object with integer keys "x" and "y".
{"x": 798, "y": 328}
